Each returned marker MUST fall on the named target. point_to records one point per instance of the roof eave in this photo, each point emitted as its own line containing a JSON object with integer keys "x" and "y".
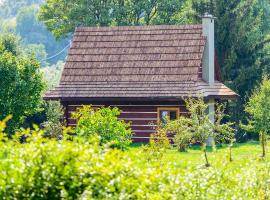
{"x": 160, "y": 98}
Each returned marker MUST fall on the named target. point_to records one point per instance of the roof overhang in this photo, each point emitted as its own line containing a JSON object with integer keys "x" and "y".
{"x": 134, "y": 99}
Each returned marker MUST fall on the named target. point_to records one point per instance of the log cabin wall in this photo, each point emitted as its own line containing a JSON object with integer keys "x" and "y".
{"x": 142, "y": 116}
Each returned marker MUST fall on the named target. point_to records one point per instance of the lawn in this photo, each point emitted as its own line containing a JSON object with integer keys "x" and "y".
{"x": 241, "y": 153}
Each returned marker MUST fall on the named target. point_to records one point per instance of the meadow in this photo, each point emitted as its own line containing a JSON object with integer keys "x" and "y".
{"x": 242, "y": 153}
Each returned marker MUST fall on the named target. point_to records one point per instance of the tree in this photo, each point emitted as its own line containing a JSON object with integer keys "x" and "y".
{"x": 38, "y": 51}
{"x": 198, "y": 127}
{"x": 201, "y": 127}
{"x": 52, "y": 74}
{"x": 53, "y": 126}
{"x": 241, "y": 43}
{"x": 182, "y": 133}
{"x": 21, "y": 83}
{"x": 35, "y": 34}
{"x": 258, "y": 109}
{"x": 225, "y": 130}
{"x": 7, "y": 26}
{"x": 62, "y": 17}
{"x": 9, "y": 8}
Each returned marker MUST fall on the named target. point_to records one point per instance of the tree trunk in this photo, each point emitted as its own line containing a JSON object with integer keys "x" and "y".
{"x": 263, "y": 141}
{"x": 230, "y": 154}
{"x": 206, "y": 159}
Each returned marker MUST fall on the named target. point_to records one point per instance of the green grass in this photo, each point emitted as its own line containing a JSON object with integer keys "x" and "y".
{"x": 241, "y": 153}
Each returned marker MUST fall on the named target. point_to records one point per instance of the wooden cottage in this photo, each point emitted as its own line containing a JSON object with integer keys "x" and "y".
{"x": 146, "y": 71}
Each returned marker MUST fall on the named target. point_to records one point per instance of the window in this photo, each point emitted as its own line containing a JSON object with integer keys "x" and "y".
{"x": 165, "y": 114}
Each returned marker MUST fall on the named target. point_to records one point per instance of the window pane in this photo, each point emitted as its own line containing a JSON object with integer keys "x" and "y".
{"x": 173, "y": 115}
{"x": 163, "y": 116}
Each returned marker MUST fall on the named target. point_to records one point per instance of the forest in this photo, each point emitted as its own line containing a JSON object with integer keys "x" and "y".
{"x": 41, "y": 158}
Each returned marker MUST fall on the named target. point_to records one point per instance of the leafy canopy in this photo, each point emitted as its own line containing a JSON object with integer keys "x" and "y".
{"x": 258, "y": 108}
{"x": 63, "y": 16}
{"x": 242, "y": 43}
{"x": 21, "y": 83}
{"x": 105, "y": 123}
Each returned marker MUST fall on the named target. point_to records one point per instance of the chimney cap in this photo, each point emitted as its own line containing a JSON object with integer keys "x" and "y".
{"x": 208, "y": 15}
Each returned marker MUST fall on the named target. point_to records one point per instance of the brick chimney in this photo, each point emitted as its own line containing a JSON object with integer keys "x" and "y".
{"x": 208, "y": 68}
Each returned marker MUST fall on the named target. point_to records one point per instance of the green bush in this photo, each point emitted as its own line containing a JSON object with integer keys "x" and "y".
{"x": 71, "y": 168}
{"x": 105, "y": 123}
{"x": 159, "y": 143}
{"x": 55, "y": 117}
{"x": 182, "y": 135}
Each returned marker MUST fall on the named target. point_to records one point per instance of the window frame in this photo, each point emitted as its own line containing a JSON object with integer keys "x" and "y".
{"x": 177, "y": 109}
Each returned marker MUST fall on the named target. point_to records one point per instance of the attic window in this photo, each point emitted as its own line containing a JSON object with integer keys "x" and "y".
{"x": 165, "y": 114}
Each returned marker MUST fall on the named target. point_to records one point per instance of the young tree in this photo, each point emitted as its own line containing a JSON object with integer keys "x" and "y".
{"x": 182, "y": 133}
{"x": 21, "y": 83}
{"x": 198, "y": 127}
{"x": 225, "y": 131}
{"x": 201, "y": 127}
{"x": 258, "y": 109}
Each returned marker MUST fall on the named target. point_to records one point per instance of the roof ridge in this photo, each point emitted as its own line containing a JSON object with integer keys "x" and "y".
{"x": 138, "y": 28}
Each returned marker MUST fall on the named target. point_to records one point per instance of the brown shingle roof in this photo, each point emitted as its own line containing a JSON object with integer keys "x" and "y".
{"x": 142, "y": 61}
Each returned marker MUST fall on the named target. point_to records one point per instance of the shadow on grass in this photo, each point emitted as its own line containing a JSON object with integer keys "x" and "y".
{"x": 197, "y": 147}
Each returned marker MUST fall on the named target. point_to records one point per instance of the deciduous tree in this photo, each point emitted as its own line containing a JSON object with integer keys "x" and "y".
{"x": 61, "y": 17}
{"x": 21, "y": 83}
{"x": 258, "y": 109}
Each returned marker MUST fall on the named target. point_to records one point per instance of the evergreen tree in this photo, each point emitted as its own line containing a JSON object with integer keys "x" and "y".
{"x": 241, "y": 43}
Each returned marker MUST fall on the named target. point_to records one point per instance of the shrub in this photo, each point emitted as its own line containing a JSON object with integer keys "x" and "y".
{"x": 158, "y": 144}
{"x": 182, "y": 135}
{"x": 105, "y": 123}
{"x": 45, "y": 168}
{"x": 55, "y": 118}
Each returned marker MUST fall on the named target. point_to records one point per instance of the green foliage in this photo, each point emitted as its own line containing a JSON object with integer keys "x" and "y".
{"x": 21, "y": 83}
{"x": 10, "y": 43}
{"x": 258, "y": 108}
{"x": 105, "y": 123}
{"x": 242, "y": 44}
{"x": 35, "y": 34}
{"x": 225, "y": 130}
{"x": 159, "y": 139}
{"x": 61, "y": 17}
{"x": 182, "y": 134}
{"x": 37, "y": 50}
{"x": 55, "y": 118}
{"x": 7, "y": 26}
{"x": 9, "y": 8}
{"x": 159, "y": 143}
{"x": 52, "y": 74}
{"x": 200, "y": 124}
{"x": 74, "y": 169}
{"x": 198, "y": 127}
